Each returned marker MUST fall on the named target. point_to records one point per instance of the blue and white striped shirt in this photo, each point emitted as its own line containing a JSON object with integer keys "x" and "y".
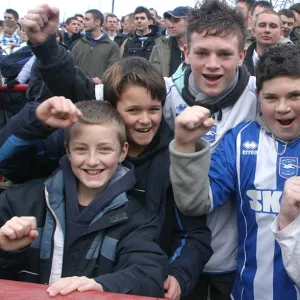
{"x": 247, "y": 166}
{"x": 6, "y": 41}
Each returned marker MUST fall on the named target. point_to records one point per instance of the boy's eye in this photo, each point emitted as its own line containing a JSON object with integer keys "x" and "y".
{"x": 201, "y": 53}
{"x": 270, "y": 98}
{"x": 105, "y": 150}
{"x": 133, "y": 110}
{"x": 225, "y": 54}
{"x": 80, "y": 149}
{"x": 155, "y": 109}
{"x": 295, "y": 96}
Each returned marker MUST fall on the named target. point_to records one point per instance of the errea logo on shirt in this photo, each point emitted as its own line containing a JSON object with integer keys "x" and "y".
{"x": 249, "y": 148}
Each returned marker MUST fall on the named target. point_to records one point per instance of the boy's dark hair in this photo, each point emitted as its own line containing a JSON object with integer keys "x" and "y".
{"x": 79, "y": 15}
{"x": 296, "y": 8}
{"x": 264, "y": 4}
{"x": 69, "y": 20}
{"x": 133, "y": 71}
{"x": 216, "y": 18}
{"x": 10, "y": 24}
{"x": 287, "y": 12}
{"x": 97, "y": 15}
{"x": 142, "y": 9}
{"x": 249, "y": 3}
{"x": 111, "y": 16}
{"x": 12, "y": 12}
{"x": 98, "y": 113}
{"x": 280, "y": 60}
{"x": 268, "y": 12}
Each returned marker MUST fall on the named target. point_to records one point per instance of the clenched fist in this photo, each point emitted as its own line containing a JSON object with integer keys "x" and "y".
{"x": 40, "y": 23}
{"x": 290, "y": 203}
{"x": 18, "y": 233}
{"x": 193, "y": 123}
{"x": 58, "y": 112}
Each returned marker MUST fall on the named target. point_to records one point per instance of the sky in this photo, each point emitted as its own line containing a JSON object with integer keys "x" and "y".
{"x": 70, "y": 7}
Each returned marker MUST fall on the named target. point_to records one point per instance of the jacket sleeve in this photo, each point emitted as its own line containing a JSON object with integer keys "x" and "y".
{"x": 199, "y": 186}
{"x": 141, "y": 265}
{"x": 154, "y": 60}
{"x": 28, "y": 148}
{"x": 115, "y": 55}
{"x": 191, "y": 249}
{"x": 189, "y": 177}
{"x": 24, "y": 74}
{"x": 289, "y": 242}
{"x": 59, "y": 72}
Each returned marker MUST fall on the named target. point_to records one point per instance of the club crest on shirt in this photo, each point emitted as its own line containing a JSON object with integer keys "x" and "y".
{"x": 180, "y": 108}
{"x": 211, "y": 135}
{"x": 288, "y": 167}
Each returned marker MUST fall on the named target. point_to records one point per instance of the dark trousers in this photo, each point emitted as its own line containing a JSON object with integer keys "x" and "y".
{"x": 213, "y": 287}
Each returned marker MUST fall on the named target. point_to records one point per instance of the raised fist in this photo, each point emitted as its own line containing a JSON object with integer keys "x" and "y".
{"x": 40, "y": 23}
{"x": 193, "y": 123}
{"x": 58, "y": 112}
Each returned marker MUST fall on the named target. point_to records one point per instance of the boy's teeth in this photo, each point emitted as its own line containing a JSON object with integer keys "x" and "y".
{"x": 94, "y": 172}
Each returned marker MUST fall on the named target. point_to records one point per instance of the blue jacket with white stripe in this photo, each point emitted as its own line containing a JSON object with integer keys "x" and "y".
{"x": 112, "y": 240}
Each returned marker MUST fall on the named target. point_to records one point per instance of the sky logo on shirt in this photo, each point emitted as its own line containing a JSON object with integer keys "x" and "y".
{"x": 211, "y": 135}
{"x": 265, "y": 201}
{"x": 180, "y": 108}
{"x": 288, "y": 167}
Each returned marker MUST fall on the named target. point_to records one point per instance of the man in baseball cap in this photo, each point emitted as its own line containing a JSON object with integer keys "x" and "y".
{"x": 168, "y": 54}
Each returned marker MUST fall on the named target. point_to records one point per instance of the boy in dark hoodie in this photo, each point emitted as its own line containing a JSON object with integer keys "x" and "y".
{"x": 83, "y": 228}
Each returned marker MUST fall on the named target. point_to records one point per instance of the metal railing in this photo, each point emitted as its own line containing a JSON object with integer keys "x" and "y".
{"x": 16, "y": 290}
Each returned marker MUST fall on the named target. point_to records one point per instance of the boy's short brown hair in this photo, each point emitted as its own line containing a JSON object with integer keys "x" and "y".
{"x": 216, "y": 18}
{"x": 133, "y": 71}
{"x": 99, "y": 113}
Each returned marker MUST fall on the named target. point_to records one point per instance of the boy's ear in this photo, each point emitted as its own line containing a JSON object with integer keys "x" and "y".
{"x": 67, "y": 150}
{"x": 186, "y": 54}
{"x": 124, "y": 152}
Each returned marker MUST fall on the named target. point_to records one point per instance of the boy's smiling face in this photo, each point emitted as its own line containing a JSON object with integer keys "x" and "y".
{"x": 280, "y": 106}
{"x": 95, "y": 152}
{"x": 8, "y": 32}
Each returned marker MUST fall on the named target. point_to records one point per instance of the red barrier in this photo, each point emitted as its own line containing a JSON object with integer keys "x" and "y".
{"x": 15, "y": 290}
{"x": 18, "y": 88}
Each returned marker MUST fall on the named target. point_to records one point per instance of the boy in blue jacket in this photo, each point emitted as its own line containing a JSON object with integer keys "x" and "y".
{"x": 251, "y": 166}
{"x": 82, "y": 228}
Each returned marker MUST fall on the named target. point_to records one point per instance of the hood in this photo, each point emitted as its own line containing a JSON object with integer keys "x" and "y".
{"x": 178, "y": 77}
{"x": 88, "y": 38}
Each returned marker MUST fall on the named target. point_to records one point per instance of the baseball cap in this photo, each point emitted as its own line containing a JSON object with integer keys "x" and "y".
{"x": 178, "y": 12}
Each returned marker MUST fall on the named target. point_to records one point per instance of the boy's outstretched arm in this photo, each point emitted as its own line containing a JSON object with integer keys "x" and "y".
{"x": 286, "y": 228}
{"x": 30, "y": 144}
{"x": 190, "y": 161}
{"x": 54, "y": 62}
{"x": 198, "y": 184}
{"x": 141, "y": 265}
